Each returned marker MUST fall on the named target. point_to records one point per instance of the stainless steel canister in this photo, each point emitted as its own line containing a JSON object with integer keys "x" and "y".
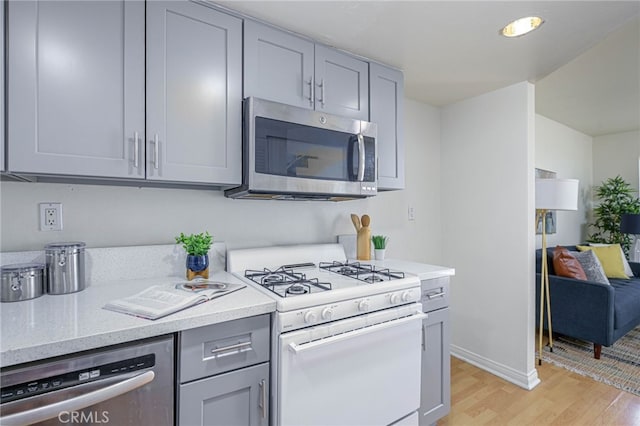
{"x": 22, "y": 281}
{"x": 65, "y": 267}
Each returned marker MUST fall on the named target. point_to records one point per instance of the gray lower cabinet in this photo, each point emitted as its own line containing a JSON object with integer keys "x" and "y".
{"x": 235, "y": 398}
{"x": 223, "y": 374}
{"x": 76, "y": 92}
{"x": 282, "y": 67}
{"x": 435, "y": 400}
{"x": 386, "y": 103}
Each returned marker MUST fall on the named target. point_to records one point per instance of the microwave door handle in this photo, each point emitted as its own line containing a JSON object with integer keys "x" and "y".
{"x": 360, "y": 157}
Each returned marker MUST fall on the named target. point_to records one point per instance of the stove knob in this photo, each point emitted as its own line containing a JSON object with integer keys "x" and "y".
{"x": 394, "y": 299}
{"x": 326, "y": 314}
{"x": 363, "y": 306}
{"x": 407, "y": 295}
{"x": 310, "y": 317}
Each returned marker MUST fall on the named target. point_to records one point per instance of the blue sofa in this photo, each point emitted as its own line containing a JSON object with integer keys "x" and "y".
{"x": 587, "y": 310}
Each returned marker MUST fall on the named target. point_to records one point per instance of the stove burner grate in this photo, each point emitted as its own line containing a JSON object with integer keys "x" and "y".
{"x": 296, "y": 283}
{"x": 362, "y": 271}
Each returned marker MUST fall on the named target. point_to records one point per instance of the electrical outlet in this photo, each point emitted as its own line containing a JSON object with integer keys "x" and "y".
{"x": 411, "y": 213}
{"x": 51, "y": 216}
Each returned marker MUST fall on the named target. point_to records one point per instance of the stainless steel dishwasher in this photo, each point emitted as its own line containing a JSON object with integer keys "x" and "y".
{"x": 130, "y": 384}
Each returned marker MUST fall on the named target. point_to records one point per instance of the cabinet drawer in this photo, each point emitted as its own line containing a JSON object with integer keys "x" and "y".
{"x": 435, "y": 294}
{"x": 214, "y": 349}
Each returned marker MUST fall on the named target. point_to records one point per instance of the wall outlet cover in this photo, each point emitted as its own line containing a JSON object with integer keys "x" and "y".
{"x": 51, "y": 216}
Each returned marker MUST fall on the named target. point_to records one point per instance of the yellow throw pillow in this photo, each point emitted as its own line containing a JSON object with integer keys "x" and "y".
{"x": 610, "y": 258}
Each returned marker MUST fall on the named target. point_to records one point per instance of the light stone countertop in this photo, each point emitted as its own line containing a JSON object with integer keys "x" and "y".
{"x": 422, "y": 270}
{"x": 54, "y": 325}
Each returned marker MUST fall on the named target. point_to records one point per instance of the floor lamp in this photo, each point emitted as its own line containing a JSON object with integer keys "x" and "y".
{"x": 630, "y": 224}
{"x": 551, "y": 194}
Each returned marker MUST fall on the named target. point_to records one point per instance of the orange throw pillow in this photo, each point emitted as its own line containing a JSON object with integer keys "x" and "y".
{"x": 566, "y": 265}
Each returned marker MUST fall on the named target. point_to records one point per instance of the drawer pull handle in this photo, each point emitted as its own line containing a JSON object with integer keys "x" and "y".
{"x": 239, "y": 347}
{"x": 434, "y": 295}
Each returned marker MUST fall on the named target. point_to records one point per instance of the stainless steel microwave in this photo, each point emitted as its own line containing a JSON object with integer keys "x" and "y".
{"x": 294, "y": 153}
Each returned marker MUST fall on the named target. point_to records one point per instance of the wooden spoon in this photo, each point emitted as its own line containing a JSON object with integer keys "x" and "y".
{"x": 366, "y": 220}
{"x": 356, "y": 222}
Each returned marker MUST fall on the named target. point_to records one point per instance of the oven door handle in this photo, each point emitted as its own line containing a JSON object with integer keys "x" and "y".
{"x": 293, "y": 347}
{"x": 50, "y": 411}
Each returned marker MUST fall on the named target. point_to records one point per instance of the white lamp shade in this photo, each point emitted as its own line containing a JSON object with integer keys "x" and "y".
{"x": 556, "y": 194}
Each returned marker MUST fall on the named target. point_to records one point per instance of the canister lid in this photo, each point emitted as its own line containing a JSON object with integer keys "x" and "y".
{"x": 22, "y": 267}
{"x": 65, "y": 245}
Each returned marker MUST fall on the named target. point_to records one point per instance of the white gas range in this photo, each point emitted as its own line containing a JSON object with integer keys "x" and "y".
{"x": 343, "y": 331}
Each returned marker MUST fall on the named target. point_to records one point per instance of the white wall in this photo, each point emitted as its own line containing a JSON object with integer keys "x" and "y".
{"x": 568, "y": 153}
{"x": 616, "y": 154}
{"x": 488, "y": 229}
{"x": 107, "y": 216}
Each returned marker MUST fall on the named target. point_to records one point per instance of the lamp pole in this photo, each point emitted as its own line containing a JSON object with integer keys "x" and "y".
{"x": 544, "y": 287}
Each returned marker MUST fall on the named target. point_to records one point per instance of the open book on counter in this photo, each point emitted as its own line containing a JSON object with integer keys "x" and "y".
{"x": 161, "y": 300}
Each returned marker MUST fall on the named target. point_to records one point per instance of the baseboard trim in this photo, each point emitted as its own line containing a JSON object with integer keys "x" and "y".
{"x": 526, "y": 381}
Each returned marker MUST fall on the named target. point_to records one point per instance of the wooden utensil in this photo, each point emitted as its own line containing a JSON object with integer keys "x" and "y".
{"x": 364, "y": 238}
{"x": 356, "y": 222}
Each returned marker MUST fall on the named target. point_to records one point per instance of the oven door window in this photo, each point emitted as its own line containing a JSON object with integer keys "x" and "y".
{"x": 295, "y": 150}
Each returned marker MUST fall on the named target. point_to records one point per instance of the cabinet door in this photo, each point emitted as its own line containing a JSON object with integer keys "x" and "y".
{"x": 194, "y": 93}
{"x": 237, "y": 398}
{"x": 435, "y": 399}
{"x": 342, "y": 84}
{"x": 278, "y": 66}
{"x": 2, "y": 145}
{"x": 75, "y": 87}
{"x": 386, "y": 98}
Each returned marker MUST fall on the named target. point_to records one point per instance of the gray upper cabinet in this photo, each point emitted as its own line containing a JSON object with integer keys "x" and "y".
{"x": 282, "y": 67}
{"x": 75, "y": 98}
{"x": 194, "y": 94}
{"x": 76, "y": 93}
{"x": 2, "y": 146}
{"x": 342, "y": 84}
{"x": 278, "y": 65}
{"x": 386, "y": 103}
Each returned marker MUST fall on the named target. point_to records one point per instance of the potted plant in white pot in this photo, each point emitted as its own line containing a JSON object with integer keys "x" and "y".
{"x": 197, "y": 247}
{"x": 379, "y": 246}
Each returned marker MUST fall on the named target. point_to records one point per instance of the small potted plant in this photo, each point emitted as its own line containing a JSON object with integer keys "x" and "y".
{"x": 197, "y": 247}
{"x": 379, "y": 246}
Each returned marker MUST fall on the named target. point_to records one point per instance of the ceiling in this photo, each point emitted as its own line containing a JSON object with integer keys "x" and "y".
{"x": 451, "y": 50}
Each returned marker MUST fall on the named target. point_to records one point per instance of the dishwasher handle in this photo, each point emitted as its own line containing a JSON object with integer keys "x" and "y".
{"x": 50, "y": 411}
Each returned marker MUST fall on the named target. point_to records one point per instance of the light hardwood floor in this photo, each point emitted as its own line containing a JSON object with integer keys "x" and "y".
{"x": 563, "y": 398}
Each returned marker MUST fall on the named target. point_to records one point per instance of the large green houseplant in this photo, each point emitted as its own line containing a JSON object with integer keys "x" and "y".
{"x": 616, "y": 198}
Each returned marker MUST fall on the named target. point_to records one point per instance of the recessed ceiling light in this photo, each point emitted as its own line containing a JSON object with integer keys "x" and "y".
{"x": 521, "y": 26}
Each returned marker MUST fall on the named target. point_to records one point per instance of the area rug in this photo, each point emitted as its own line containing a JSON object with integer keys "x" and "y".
{"x": 618, "y": 366}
